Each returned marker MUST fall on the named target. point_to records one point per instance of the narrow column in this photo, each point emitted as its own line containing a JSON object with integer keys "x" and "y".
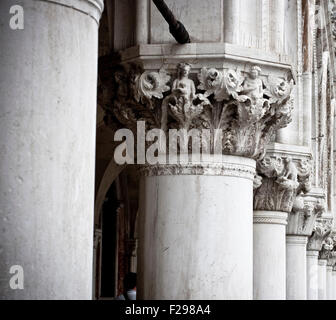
{"x": 192, "y": 227}
{"x": 329, "y": 282}
{"x": 142, "y": 19}
{"x": 320, "y": 232}
{"x": 296, "y": 267}
{"x": 231, "y": 21}
{"x": 322, "y": 279}
{"x": 334, "y": 283}
{"x": 269, "y": 251}
{"x": 47, "y": 150}
{"x": 273, "y": 200}
{"x": 325, "y": 271}
{"x": 300, "y": 226}
{"x": 312, "y": 275}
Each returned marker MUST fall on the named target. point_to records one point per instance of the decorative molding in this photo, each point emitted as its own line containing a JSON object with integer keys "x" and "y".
{"x": 203, "y": 168}
{"x": 92, "y": 8}
{"x": 270, "y": 217}
{"x": 247, "y": 108}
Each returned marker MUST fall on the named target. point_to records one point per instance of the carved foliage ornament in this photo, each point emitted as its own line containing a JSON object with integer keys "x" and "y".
{"x": 247, "y": 109}
{"x": 282, "y": 180}
{"x": 321, "y": 231}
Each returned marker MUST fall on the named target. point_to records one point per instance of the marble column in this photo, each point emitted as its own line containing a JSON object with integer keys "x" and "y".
{"x": 301, "y": 222}
{"x": 312, "y": 275}
{"x": 196, "y": 231}
{"x": 320, "y": 232}
{"x": 296, "y": 262}
{"x": 334, "y": 283}
{"x": 47, "y": 151}
{"x": 273, "y": 199}
{"x": 269, "y": 251}
{"x": 322, "y": 279}
{"x": 329, "y": 282}
{"x": 325, "y": 270}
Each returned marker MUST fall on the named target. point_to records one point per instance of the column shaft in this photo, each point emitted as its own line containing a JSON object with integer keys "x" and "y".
{"x": 142, "y": 19}
{"x": 312, "y": 275}
{"x": 47, "y": 150}
{"x": 334, "y": 284}
{"x": 269, "y": 255}
{"x": 296, "y": 261}
{"x": 322, "y": 279}
{"x": 329, "y": 283}
{"x": 195, "y": 235}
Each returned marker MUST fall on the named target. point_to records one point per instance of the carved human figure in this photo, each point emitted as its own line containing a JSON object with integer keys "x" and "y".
{"x": 253, "y": 85}
{"x": 183, "y": 87}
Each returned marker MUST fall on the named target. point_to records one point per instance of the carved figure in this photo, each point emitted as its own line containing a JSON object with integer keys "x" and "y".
{"x": 183, "y": 87}
{"x": 291, "y": 172}
{"x": 253, "y": 85}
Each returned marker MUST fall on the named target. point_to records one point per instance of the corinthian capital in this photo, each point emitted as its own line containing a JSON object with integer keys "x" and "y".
{"x": 302, "y": 219}
{"x": 282, "y": 180}
{"x": 321, "y": 231}
{"x": 246, "y": 108}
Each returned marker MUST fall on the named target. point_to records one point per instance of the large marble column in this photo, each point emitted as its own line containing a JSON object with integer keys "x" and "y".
{"x": 47, "y": 152}
{"x": 320, "y": 232}
{"x": 195, "y": 215}
{"x": 300, "y": 226}
{"x": 275, "y": 192}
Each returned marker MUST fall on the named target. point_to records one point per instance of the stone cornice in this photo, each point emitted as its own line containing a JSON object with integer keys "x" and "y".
{"x": 92, "y": 8}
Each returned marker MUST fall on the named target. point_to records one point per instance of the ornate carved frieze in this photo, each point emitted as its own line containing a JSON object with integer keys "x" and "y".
{"x": 282, "y": 179}
{"x": 321, "y": 231}
{"x": 246, "y": 107}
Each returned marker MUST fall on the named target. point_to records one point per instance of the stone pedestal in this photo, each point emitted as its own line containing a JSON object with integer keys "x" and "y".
{"x": 322, "y": 279}
{"x": 269, "y": 251}
{"x": 195, "y": 235}
{"x": 312, "y": 275}
{"x": 47, "y": 150}
{"x": 296, "y": 262}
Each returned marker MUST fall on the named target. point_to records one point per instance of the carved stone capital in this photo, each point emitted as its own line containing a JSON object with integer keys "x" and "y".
{"x": 302, "y": 219}
{"x": 321, "y": 231}
{"x": 280, "y": 180}
{"x": 244, "y": 106}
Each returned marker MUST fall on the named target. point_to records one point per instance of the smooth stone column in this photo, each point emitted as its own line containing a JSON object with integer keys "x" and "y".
{"x": 296, "y": 261}
{"x": 47, "y": 152}
{"x": 334, "y": 283}
{"x": 312, "y": 274}
{"x": 142, "y": 20}
{"x": 195, "y": 230}
{"x": 322, "y": 279}
{"x": 269, "y": 255}
{"x": 329, "y": 283}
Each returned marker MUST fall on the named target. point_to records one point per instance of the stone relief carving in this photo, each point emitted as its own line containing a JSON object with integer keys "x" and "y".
{"x": 301, "y": 221}
{"x": 245, "y": 107}
{"x": 321, "y": 231}
{"x": 282, "y": 180}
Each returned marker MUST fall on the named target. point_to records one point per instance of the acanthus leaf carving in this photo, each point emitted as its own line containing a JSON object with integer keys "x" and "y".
{"x": 240, "y": 105}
